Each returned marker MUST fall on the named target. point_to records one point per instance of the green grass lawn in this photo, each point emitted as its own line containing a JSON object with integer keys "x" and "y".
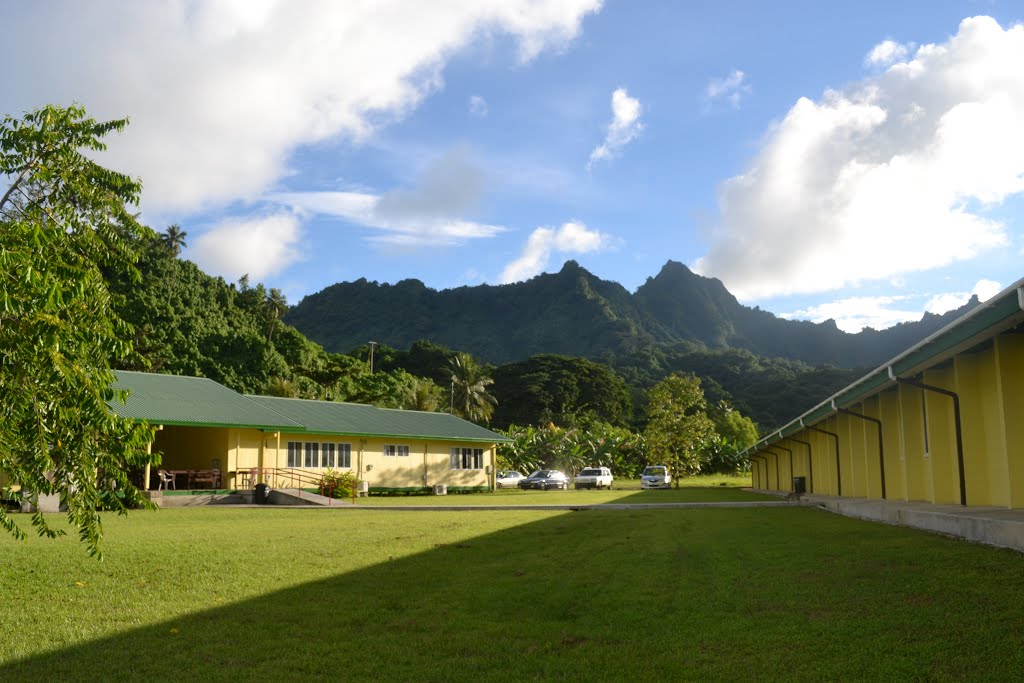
{"x": 697, "y": 489}
{"x": 785, "y": 593}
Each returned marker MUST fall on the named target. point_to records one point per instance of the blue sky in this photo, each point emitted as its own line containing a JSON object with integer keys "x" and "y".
{"x": 858, "y": 161}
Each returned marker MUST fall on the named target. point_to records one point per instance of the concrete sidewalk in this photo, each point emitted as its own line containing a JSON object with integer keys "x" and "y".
{"x": 995, "y": 526}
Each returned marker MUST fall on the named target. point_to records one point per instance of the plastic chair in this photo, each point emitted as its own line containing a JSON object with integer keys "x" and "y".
{"x": 165, "y": 479}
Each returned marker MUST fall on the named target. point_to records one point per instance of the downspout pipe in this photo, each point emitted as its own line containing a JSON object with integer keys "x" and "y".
{"x": 810, "y": 463}
{"x": 839, "y": 478}
{"x": 790, "y": 451}
{"x": 881, "y": 452}
{"x": 756, "y": 462}
{"x": 764, "y": 461}
{"x": 956, "y": 420}
{"x": 778, "y": 485}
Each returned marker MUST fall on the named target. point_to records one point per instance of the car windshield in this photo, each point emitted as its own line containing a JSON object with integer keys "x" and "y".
{"x": 538, "y": 474}
{"x": 590, "y": 473}
{"x": 513, "y": 474}
{"x": 654, "y": 471}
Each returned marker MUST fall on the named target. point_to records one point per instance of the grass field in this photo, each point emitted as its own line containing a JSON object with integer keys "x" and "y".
{"x": 786, "y": 593}
{"x": 696, "y": 489}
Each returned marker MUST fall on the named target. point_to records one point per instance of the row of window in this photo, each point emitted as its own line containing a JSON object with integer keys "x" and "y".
{"x": 326, "y": 454}
{"x": 316, "y": 454}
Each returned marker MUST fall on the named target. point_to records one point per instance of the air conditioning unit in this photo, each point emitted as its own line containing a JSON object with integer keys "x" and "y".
{"x": 363, "y": 488}
{"x": 440, "y": 489}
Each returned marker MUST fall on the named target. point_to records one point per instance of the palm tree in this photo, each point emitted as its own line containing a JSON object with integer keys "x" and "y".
{"x": 277, "y": 305}
{"x": 469, "y": 398}
{"x": 174, "y": 238}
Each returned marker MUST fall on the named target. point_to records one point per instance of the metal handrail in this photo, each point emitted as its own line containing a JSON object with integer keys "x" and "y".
{"x": 279, "y": 476}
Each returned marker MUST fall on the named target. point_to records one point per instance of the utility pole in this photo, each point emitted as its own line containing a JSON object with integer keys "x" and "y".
{"x": 372, "y": 345}
{"x": 451, "y": 401}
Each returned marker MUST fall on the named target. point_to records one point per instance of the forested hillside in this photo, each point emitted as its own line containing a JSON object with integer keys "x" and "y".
{"x": 575, "y": 313}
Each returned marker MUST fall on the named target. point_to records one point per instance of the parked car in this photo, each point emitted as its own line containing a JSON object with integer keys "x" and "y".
{"x": 593, "y": 478}
{"x": 544, "y": 480}
{"x": 655, "y": 477}
{"x": 508, "y": 480}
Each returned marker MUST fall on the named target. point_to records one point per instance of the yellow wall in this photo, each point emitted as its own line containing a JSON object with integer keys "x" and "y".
{"x": 983, "y": 434}
{"x": 1009, "y": 360}
{"x": 917, "y": 460}
{"x": 892, "y": 435}
{"x": 426, "y": 465}
{"x": 942, "y": 437}
{"x": 235, "y": 450}
{"x": 192, "y": 448}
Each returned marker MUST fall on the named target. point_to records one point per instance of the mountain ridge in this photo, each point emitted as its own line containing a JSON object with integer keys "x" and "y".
{"x": 573, "y": 312}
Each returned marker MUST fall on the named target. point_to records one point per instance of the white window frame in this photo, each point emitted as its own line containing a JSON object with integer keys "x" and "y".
{"x": 466, "y": 459}
{"x": 295, "y": 451}
{"x": 395, "y": 450}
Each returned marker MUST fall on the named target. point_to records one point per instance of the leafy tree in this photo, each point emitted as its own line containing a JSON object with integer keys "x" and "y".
{"x": 567, "y": 391}
{"x": 174, "y": 238}
{"x": 470, "y": 398}
{"x": 679, "y": 429}
{"x": 63, "y": 218}
{"x": 276, "y": 306}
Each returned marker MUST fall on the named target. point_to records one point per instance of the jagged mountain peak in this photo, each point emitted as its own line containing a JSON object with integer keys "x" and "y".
{"x": 574, "y": 312}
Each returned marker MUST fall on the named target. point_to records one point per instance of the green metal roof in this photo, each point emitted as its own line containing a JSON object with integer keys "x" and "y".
{"x": 326, "y": 417}
{"x": 192, "y": 401}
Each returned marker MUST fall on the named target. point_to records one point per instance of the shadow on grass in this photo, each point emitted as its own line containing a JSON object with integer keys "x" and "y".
{"x": 686, "y": 494}
{"x": 739, "y": 594}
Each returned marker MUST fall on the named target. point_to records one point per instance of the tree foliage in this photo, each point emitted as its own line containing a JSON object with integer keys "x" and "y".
{"x": 470, "y": 398}
{"x": 63, "y": 217}
{"x": 679, "y": 429}
{"x": 559, "y": 389}
{"x": 571, "y": 449}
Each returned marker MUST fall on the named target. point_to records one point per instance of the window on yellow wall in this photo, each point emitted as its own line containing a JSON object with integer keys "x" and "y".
{"x": 294, "y": 454}
{"x": 400, "y": 451}
{"x": 327, "y": 451}
{"x": 312, "y": 454}
{"x": 344, "y": 455}
{"x": 466, "y": 459}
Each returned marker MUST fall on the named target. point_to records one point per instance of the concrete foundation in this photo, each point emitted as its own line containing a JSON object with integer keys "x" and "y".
{"x": 994, "y": 526}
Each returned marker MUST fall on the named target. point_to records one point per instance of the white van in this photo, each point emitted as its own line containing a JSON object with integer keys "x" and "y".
{"x": 655, "y": 477}
{"x": 594, "y": 478}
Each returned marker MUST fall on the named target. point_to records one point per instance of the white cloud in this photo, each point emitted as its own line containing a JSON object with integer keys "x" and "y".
{"x": 572, "y": 238}
{"x": 362, "y": 208}
{"x": 886, "y": 53}
{"x": 477, "y": 107}
{"x": 983, "y": 289}
{"x": 625, "y": 126}
{"x": 428, "y": 213}
{"x": 889, "y": 176}
{"x": 258, "y": 247}
{"x": 986, "y": 289}
{"x": 730, "y": 90}
{"x": 855, "y": 313}
{"x": 221, "y": 93}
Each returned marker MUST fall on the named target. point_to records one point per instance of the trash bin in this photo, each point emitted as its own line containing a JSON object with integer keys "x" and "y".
{"x": 799, "y": 484}
{"x": 262, "y": 496}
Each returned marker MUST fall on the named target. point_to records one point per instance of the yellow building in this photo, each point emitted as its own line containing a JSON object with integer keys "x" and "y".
{"x": 939, "y": 423}
{"x": 210, "y": 436}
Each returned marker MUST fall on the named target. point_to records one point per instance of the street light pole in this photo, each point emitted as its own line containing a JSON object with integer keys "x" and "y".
{"x": 372, "y": 345}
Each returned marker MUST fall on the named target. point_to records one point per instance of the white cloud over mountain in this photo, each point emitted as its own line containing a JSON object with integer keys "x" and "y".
{"x": 221, "y": 93}
{"x": 895, "y": 174}
{"x": 572, "y": 238}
